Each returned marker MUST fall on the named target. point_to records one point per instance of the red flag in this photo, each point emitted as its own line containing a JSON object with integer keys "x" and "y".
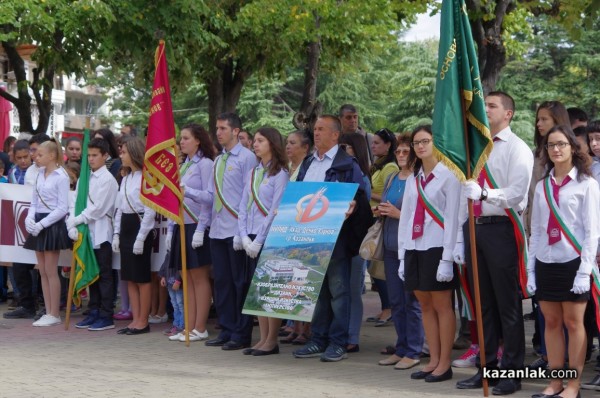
{"x": 160, "y": 181}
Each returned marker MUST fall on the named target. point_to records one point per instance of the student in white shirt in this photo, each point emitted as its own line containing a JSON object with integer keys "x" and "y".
{"x": 97, "y": 215}
{"x": 46, "y": 224}
{"x": 562, "y": 251}
{"x": 133, "y": 237}
{"x": 426, "y": 240}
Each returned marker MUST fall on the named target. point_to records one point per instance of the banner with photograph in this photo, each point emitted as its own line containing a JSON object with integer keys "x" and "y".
{"x": 295, "y": 256}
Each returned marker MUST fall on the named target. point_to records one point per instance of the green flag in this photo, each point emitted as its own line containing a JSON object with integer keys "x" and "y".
{"x": 86, "y": 265}
{"x": 459, "y": 101}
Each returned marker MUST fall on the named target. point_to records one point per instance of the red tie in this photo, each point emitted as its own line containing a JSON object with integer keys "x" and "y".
{"x": 419, "y": 219}
{"x": 554, "y": 234}
{"x": 477, "y": 207}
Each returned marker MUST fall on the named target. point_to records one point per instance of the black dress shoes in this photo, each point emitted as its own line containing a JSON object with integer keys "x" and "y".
{"x": 134, "y": 331}
{"x": 218, "y": 342}
{"x": 260, "y": 353}
{"x": 475, "y": 381}
{"x": 232, "y": 345}
{"x": 248, "y": 351}
{"x": 420, "y": 375}
{"x": 431, "y": 378}
{"x": 542, "y": 395}
{"x": 123, "y": 331}
{"x": 506, "y": 387}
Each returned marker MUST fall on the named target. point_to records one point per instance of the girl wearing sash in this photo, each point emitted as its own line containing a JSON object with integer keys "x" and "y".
{"x": 258, "y": 207}
{"x": 45, "y": 223}
{"x": 426, "y": 239}
{"x": 562, "y": 252}
{"x": 133, "y": 225}
{"x": 195, "y": 173}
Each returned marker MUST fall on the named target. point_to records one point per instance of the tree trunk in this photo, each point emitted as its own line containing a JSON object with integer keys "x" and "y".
{"x": 23, "y": 100}
{"x": 309, "y": 108}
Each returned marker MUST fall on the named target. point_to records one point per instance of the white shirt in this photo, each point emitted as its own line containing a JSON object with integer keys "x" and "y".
{"x": 578, "y": 207}
{"x": 31, "y": 174}
{"x": 50, "y": 196}
{"x": 443, "y": 192}
{"x": 129, "y": 196}
{"x": 318, "y": 167}
{"x": 100, "y": 205}
{"x": 511, "y": 165}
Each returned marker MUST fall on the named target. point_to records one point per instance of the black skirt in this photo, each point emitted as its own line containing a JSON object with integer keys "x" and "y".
{"x": 196, "y": 258}
{"x": 52, "y": 238}
{"x": 420, "y": 270}
{"x": 554, "y": 281}
{"x": 134, "y": 268}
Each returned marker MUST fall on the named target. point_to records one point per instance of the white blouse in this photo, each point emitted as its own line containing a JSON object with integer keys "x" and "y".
{"x": 51, "y": 195}
{"x": 129, "y": 202}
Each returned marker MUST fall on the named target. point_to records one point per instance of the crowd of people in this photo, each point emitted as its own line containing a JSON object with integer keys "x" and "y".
{"x": 232, "y": 189}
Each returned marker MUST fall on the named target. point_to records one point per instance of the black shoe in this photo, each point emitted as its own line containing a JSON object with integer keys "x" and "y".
{"x": 248, "y": 351}
{"x": 232, "y": 345}
{"x": 592, "y": 385}
{"x": 447, "y": 375}
{"x": 542, "y": 395}
{"x": 475, "y": 381}
{"x": 134, "y": 331}
{"x": 354, "y": 348}
{"x": 260, "y": 353}
{"x": 218, "y": 342}
{"x": 39, "y": 314}
{"x": 19, "y": 313}
{"x": 123, "y": 331}
{"x": 420, "y": 375}
{"x": 506, "y": 387}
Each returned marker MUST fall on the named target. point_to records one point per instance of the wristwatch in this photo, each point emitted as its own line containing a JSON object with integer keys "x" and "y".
{"x": 484, "y": 194}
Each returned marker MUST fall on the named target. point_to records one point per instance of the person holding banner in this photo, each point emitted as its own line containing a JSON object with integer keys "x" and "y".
{"x": 562, "y": 252}
{"x": 132, "y": 238}
{"x": 426, "y": 239}
{"x": 231, "y": 274}
{"x": 500, "y": 196}
{"x": 45, "y": 223}
{"x": 195, "y": 174}
{"x": 258, "y": 208}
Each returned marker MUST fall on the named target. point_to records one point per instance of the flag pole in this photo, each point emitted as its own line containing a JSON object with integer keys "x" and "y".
{"x": 474, "y": 265}
{"x": 183, "y": 264}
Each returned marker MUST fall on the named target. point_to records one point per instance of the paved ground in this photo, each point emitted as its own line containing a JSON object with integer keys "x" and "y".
{"x": 52, "y": 362}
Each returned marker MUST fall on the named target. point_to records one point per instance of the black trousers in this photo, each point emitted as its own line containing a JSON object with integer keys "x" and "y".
{"x": 24, "y": 281}
{"x": 501, "y": 307}
{"x": 101, "y": 291}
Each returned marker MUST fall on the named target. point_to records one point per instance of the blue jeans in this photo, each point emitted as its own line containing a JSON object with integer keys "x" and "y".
{"x": 357, "y": 279}
{"x": 177, "y": 303}
{"x": 332, "y": 313}
{"x": 406, "y": 311}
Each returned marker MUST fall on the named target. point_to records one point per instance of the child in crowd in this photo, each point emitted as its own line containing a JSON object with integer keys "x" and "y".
{"x": 170, "y": 278}
{"x": 3, "y": 179}
{"x": 97, "y": 215}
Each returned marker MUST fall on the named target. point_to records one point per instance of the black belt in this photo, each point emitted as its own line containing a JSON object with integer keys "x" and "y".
{"x": 492, "y": 220}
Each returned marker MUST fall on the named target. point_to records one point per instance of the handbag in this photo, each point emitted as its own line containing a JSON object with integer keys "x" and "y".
{"x": 371, "y": 247}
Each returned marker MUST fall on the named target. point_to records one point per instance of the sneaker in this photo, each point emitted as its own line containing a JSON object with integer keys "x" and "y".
{"x": 468, "y": 359}
{"x": 89, "y": 320}
{"x": 310, "y": 350}
{"x": 195, "y": 336}
{"x": 178, "y": 336}
{"x": 47, "y": 320}
{"x": 19, "y": 313}
{"x": 75, "y": 308}
{"x": 102, "y": 323}
{"x": 539, "y": 363}
{"x": 334, "y": 353}
{"x": 158, "y": 319}
{"x": 123, "y": 316}
{"x": 172, "y": 331}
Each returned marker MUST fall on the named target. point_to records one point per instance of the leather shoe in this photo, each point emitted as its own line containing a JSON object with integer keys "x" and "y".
{"x": 542, "y": 395}
{"x": 260, "y": 353}
{"x": 475, "y": 381}
{"x": 218, "y": 342}
{"x": 134, "y": 331}
{"x": 447, "y": 375}
{"x": 232, "y": 345}
{"x": 420, "y": 375}
{"x": 592, "y": 385}
{"x": 248, "y": 351}
{"x": 506, "y": 387}
{"x": 123, "y": 331}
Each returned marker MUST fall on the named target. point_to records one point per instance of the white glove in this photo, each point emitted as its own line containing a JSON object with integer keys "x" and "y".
{"x": 581, "y": 283}
{"x": 459, "y": 253}
{"x": 74, "y": 234}
{"x": 29, "y": 223}
{"x": 472, "y": 190}
{"x": 75, "y": 221}
{"x": 253, "y": 249}
{"x": 138, "y": 247}
{"x": 168, "y": 240}
{"x": 531, "y": 286}
{"x": 116, "y": 243}
{"x": 401, "y": 270}
{"x": 198, "y": 239}
{"x": 445, "y": 271}
{"x": 37, "y": 228}
{"x": 237, "y": 243}
{"x": 246, "y": 241}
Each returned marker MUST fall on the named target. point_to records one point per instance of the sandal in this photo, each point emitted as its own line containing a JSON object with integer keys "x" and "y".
{"x": 388, "y": 350}
{"x": 300, "y": 340}
{"x": 289, "y": 339}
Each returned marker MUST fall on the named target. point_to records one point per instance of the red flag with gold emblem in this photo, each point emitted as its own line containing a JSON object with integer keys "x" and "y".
{"x": 160, "y": 181}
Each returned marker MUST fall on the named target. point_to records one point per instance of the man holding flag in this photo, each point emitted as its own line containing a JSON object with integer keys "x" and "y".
{"x": 496, "y": 236}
